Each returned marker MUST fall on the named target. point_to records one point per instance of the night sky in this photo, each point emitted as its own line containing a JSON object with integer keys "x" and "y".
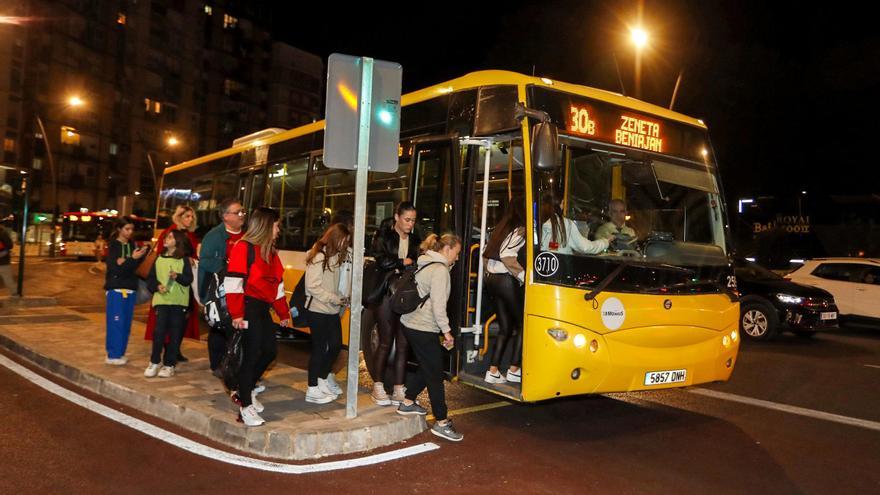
{"x": 786, "y": 88}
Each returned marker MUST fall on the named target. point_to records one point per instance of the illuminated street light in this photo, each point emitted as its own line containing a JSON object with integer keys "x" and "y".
{"x": 75, "y": 101}
{"x": 639, "y": 38}
{"x": 172, "y": 141}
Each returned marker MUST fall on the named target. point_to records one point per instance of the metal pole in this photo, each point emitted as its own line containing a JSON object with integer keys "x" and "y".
{"x": 23, "y": 239}
{"x": 619, "y": 77}
{"x": 55, "y": 209}
{"x": 479, "y": 315}
{"x": 675, "y": 91}
{"x": 360, "y": 220}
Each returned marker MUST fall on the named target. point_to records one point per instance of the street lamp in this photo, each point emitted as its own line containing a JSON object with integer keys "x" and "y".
{"x": 170, "y": 142}
{"x": 639, "y": 39}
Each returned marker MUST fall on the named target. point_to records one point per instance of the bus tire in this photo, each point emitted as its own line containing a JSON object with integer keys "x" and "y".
{"x": 758, "y": 320}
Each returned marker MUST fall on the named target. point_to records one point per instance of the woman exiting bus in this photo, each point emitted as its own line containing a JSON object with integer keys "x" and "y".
{"x": 505, "y": 275}
{"x": 422, "y": 327}
{"x": 561, "y": 235}
{"x": 251, "y": 289}
{"x": 325, "y": 304}
{"x": 184, "y": 220}
{"x": 396, "y": 248}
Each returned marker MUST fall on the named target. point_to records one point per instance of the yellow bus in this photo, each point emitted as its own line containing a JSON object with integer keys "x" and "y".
{"x": 660, "y": 311}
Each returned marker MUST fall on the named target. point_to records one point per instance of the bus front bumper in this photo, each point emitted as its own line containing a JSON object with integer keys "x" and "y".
{"x": 646, "y": 358}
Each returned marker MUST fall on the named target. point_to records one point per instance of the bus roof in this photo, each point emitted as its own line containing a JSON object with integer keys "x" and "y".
{"x": 468, "y": 81}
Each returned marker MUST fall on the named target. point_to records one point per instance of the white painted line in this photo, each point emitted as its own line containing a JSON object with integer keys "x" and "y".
{"x": 872, "y": 366}
{"x": 204, "y": 450}
{"x": 800, "y": 411}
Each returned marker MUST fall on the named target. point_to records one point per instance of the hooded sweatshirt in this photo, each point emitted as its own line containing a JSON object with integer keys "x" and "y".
{"x": 433, "y": 280}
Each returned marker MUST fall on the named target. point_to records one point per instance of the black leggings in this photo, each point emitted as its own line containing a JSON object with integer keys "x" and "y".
{"x": 259, "y": 347}
{"x": 429, "y": 353}
{"x": 508, "y": 296}
{"x": 326, "y": 344}
{"x": 170, "y": 321}
{"x": 390, "y": 331}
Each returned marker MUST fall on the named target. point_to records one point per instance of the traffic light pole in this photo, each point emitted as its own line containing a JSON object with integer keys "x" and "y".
{"x": 25, "y": 189}
{"x": 360, "y": 220}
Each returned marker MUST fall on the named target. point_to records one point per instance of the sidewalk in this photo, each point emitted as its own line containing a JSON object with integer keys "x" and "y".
{"x": 70, "y": 344}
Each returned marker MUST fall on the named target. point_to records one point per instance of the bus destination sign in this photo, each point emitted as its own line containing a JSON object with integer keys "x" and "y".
{"x": 633, "y": 131}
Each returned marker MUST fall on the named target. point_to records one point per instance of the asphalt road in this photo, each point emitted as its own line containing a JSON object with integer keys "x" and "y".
{"x": 677, "y": 441}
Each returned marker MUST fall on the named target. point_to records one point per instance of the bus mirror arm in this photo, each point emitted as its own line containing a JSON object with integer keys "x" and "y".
{"x": 545, "y": 137}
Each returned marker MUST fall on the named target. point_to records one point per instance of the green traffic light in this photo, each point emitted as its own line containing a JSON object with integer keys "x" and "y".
{"x": 385, "y": 117}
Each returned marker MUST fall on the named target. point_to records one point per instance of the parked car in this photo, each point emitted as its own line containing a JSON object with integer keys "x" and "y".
{"x": 769, "y": 303}
{"x": 855, "y": 283}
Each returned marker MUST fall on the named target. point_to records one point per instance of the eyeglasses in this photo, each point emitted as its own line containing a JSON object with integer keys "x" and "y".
{"x": 239, "y": 213}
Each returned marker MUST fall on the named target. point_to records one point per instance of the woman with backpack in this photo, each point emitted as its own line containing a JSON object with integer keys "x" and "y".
{"x": 121, "y": 284}
{"x": 251, "y": 289}
{"x": 422, "y": 327}
{"x": 324, "y": 305}
{"x": 505, "y": 275}
{"x": 170, "y": 279}
{"x": 396, "y": 248}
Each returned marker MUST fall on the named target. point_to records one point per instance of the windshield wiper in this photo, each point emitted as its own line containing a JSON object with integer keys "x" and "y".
{"x": 611, "y": 277}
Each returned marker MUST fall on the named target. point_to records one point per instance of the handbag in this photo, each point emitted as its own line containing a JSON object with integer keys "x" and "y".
{"x": 376, "y": 283}
{"x": 231, "y": 362}
{"x": 143, "y": 294}
{"x": 143, "y": 270}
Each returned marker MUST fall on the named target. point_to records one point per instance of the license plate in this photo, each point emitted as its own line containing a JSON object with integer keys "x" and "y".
{"x": 665, "y": 377}
{"x": 831, "y": 315}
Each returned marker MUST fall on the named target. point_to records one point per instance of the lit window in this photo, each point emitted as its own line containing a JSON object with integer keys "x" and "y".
{"x": 114, "y": 148}
{"x": 229, "y": 21}
{"x": 209, "y": 10}
{"x": 69, "y": 136}
{"x": 9, "y": 144}
{"x": 148, "y": 103}
{"x": 157, "y": 107}
{"x": 120, "y": 18}
{"x": 38, "y": 164}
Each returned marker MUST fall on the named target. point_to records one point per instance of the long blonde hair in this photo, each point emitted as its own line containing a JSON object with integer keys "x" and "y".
{"x": 436, "y": 242}
{"x": 260, "y": 231}
{"x": 180, "y": 212}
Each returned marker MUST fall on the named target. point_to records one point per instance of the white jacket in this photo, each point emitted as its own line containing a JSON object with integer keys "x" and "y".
{"x": 575, "y": 242}
{"x": 322, "y": 287}
{"x": 436, "y": 281}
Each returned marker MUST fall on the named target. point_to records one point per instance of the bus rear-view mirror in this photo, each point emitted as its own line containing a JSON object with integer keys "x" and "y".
{"x": 545, "y": 146}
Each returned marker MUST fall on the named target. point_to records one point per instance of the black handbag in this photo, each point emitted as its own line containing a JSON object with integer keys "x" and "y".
{"x": 376, "y": 283}
{"x": 231, "y": 362}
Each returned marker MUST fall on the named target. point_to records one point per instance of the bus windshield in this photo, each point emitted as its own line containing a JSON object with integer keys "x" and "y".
{"x": 659, "y": 213}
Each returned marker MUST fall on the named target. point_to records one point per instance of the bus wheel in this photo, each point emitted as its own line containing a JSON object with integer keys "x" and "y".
{"x": 758, "y": 320}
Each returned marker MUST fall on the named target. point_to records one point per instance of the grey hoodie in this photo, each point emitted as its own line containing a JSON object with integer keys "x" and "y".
{"x": 433, "y": 280}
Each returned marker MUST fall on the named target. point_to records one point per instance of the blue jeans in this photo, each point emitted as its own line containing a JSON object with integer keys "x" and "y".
{"x": 120, "y": 311}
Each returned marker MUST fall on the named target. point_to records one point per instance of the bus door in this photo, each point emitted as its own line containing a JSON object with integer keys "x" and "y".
{"x": 435, "y": 190}
{"x": 494, "y": 177}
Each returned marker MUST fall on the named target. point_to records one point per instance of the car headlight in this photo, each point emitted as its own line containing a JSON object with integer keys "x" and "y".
{"x": 789, "y": 299}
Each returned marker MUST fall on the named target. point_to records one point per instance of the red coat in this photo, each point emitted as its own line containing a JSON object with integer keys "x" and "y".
{"x": 192, "y": 322}
{"x": 265, "y": 281}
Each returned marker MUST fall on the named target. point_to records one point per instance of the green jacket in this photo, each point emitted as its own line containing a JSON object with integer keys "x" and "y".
{"x": 212, "y": 255}
{"x": 178, "y": 290}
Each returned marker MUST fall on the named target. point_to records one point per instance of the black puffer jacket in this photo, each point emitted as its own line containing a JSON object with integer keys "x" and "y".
{"x": 386, "y": 243}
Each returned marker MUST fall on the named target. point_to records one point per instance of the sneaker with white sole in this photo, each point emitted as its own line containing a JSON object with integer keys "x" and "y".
{"x": 446, "y": 431}
{"x": 494, "y": 378}
{"x": 379, "y": 396}
{"x": 399, "y": 395}
{"x": 120, "y": 361}
{"x": 411, "y": 410}
{"x": 166, "y": 372}
{"x": 152, "y": 370}
{"x": 514, "y": 376}
{"x": 257, "y": 404}
{"x": 333, "y": 384}
{"x": 325, "y": 387}
{"x": 250, "y": 416}
{"x": 317, "y": 396}
{"x": 259, "y": 389}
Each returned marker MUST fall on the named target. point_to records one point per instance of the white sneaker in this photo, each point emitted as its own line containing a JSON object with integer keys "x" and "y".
{"x": 152, "y": 370}
{"x": 496, "y": 378}
{"x": 259, "y": 389}
{"x": 324, "y": 387}
{"x": 514, "y": 376}
{"x": 166, "y": 372}
{"x": 398, "y": 395}
{"x": 333, "y": 384}
{"x": 379, "y": 396}
{"x": 250, "y": 416}
{"x": 317, "y": 396}
{"x": 116, "y": 361}
{"x": 257, "y": 404}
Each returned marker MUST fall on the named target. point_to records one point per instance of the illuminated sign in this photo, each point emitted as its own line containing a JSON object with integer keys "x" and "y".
{"x": 638, "y": 133}
{"x": 580, "y": 122}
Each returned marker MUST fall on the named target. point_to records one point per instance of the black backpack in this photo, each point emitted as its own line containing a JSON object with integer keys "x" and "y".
{"x": 216, "y": 311}
{"x": 404, "y": 295}
{"x": 299, "y": 305}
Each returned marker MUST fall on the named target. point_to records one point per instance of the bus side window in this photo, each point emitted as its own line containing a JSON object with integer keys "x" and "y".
{"x": 287, "y": 186}
{"x": 330, "y": 191}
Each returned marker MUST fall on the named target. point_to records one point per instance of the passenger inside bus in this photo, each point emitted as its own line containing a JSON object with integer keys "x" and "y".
{"x": 561, "y": 235}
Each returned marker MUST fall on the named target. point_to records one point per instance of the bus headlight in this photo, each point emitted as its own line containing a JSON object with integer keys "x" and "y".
{"x": 558, "y": 334}
{"x": 580, "y": 341}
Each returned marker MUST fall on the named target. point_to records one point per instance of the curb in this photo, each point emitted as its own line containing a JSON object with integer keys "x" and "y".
{"x": 359, "y": 435}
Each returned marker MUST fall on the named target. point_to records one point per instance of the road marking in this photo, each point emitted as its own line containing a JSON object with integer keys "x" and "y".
{"x": 800, "y": 411}
{"x": 872, "y": 366}
{"x": 204, "y": 450}
{"x": 468, "y": 410}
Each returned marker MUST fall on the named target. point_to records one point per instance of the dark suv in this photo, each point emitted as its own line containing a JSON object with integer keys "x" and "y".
{"x": 769, "y": 304}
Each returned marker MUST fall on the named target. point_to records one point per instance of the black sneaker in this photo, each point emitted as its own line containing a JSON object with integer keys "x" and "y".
{"x": 217, "y": 372}
{"x": 446, "y": 431}
{"x": 412, "y": 409}
{"x": 181, "y": 358}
